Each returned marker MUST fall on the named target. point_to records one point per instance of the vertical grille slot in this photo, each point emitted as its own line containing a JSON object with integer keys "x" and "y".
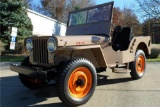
{"x": 40, "y": 52}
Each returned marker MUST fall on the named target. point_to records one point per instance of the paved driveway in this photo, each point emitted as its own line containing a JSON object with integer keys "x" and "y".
{"x": 113, "y": 90}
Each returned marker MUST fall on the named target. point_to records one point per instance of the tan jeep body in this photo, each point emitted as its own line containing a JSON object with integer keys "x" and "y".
{"x": 94, "y": 48}
{"x": 90, "y": 39}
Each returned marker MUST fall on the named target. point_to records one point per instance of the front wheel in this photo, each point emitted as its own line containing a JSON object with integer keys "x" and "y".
{"x": 27, "y": 81}
{"x": 30, "y": 82}
{"x": 138, "y": 66}
{"x": 76, "y": 82}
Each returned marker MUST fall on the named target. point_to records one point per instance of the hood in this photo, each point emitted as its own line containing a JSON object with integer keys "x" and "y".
{"x": 81, "y": 40}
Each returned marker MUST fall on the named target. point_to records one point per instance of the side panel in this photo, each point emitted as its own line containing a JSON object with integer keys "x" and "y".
{"x": 119, "y": 57}
{"x": 103, "y": 55}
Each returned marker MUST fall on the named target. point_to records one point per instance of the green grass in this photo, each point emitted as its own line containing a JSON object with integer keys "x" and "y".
{"x": 12, "y": 58}
{"x": 157, "y": 47}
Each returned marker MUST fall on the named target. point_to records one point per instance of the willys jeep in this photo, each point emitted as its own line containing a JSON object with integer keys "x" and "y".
{"x": 88, "y": 48}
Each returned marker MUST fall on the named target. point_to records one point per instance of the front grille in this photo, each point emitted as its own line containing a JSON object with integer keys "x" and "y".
{"x": 40, "y": 52}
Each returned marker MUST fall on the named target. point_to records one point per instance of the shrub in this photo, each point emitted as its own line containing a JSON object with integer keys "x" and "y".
{"x": 20, "y": 48}
{"x": 155, "y": 51}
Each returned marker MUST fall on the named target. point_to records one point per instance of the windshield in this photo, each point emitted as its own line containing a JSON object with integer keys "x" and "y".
{"x": 78, "y": 18}
{"x": 90, "y": 16}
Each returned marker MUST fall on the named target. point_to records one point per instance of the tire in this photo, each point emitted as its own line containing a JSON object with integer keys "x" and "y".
{"x": 76, "y": 82}
{"x": 28, "y": 81}
{"x": 138, "y": 66}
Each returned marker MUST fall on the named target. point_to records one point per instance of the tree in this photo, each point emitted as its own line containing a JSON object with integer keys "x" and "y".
{"x": 131, "y": 20}
{"x": 149, "y": 8}
{"x": 36, "y": 6}
{"x": 151, "y": 27}
{"x": 59, "y": 9}
{"x": 13, "y": 14}
{"x": 55, "y": 8}
{"x": 118, "y": 17}
{"x": 127, "y": 17}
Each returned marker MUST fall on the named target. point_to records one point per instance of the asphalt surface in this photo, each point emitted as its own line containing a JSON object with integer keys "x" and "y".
{"x": 113, "y": 90}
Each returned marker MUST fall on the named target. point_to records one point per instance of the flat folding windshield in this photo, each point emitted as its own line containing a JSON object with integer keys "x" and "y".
{"x": 90, "y": 16}
{"x": 94, "y": 20}
{"x": 78, "y": 18}
{"x": 99, "y": 14}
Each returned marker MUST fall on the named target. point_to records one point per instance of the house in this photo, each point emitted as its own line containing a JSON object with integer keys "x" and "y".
{"x": 45, "y": 26}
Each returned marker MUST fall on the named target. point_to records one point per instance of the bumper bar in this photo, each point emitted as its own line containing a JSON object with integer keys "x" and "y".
{"x": 37, "y": 74}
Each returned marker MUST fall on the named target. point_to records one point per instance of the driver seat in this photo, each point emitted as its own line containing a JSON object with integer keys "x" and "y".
{"x": 121, "y": 38}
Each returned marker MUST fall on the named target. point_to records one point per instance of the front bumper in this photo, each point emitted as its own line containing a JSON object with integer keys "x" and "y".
{"x": 33, "y": 73}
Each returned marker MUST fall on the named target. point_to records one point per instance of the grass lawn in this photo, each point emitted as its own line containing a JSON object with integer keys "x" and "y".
{"x": 12, "y": 58}
{"x": 154, "y": 60}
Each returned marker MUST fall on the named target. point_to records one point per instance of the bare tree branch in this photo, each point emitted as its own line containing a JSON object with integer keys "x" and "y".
{"x": 150, "y": 7}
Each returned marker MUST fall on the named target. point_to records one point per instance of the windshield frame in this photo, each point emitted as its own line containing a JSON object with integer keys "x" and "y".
{"x": 110, "y": 4}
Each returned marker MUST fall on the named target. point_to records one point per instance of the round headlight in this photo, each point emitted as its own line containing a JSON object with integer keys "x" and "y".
{"x": 51, "y": 45}
{"x": 29, "y": 44}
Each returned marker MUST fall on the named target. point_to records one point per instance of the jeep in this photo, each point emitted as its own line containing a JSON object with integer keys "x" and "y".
{"x": 88, "y": 48}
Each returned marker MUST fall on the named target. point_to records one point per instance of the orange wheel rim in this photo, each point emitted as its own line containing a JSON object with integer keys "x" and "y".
{"x": 140, "y": 64}
{"x": 80, "y": 82}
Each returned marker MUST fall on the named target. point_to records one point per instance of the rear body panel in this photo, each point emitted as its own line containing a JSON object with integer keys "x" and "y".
{"x": 120, "y": 57}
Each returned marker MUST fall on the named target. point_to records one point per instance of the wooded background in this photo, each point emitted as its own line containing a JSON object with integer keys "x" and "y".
{"x": 13, "y": 14}
{"x": 148, "y": 11}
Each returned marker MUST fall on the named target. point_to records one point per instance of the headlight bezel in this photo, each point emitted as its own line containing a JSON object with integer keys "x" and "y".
{"x": 29, "y": 44}
{"x": 51, "y": 44}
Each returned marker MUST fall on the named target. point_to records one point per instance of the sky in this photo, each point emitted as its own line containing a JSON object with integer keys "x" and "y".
{"x": 121, "y": 4}
{"x": 118, "y": 3}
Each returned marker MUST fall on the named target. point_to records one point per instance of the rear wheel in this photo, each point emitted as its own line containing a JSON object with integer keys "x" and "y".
{"x": 138, "y": 66}
{"x": 29, "y": 82}
{"x": 76, "y": 82}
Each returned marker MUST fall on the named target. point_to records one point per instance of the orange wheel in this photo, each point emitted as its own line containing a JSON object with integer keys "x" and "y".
{"x": 80, "y": 82}
{"x": 140, "y": 64}
{"x": 76, "y": 82}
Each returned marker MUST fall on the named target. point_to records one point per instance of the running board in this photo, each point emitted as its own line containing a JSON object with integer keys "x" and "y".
{"x": 114, "y": 70}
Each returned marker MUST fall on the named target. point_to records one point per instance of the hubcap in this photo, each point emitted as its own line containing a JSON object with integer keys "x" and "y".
{"x": 140, "y": 64}
{"x": 80, "y": 82}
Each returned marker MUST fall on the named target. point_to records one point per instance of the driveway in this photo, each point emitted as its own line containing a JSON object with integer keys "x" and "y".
{"x": 113, "y": 90}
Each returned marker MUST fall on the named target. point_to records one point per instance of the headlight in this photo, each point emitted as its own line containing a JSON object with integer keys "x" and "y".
{"x": 29, "y": 44}
{"x": 51, "y": 45}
